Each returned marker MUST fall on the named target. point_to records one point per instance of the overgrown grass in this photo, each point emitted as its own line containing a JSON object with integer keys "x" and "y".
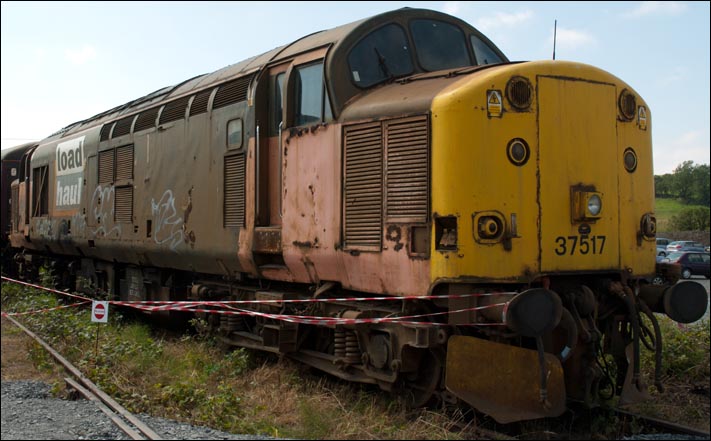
{"x": 684, "y": 375}
{"x": 191, "y": 378}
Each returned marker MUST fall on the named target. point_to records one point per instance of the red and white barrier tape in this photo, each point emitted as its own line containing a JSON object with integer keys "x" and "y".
{"x": 5, "y": 314}
{"x": 325, "y": 321}
{"x": 32, "y": 285}
{"x": 190, "y": 306}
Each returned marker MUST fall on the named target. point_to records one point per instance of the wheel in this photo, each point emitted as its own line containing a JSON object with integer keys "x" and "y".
{"x": 419, "y": 387}
{"x": 685, "y": 273}
{"x": 663, "y": 254}
{"x": 658, "y": 280}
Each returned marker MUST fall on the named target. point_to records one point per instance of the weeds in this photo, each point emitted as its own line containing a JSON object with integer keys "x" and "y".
{"x": 191, "y": 379}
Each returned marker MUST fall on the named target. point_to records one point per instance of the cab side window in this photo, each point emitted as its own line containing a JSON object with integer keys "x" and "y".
{"x": 483, "y": 53}
{"x": 276, "y": 86}
{"x": 311, "y": 99}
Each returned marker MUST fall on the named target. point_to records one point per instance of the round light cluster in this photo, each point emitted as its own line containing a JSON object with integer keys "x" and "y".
{"x": 517, "y": 151}
{"x": 630, "y": 159}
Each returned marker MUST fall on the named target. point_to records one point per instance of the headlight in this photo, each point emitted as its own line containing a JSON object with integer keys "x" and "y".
{"x": 586, "y": 205}
{"x": 594, "y": 205}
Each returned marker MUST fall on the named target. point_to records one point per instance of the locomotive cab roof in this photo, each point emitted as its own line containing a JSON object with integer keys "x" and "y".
{"x": 361, "y": 55}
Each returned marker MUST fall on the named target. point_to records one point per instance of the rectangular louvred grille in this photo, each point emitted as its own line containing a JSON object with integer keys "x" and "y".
{"x": 407, "y": 175}
{"x": 106, "y": 166}
{"x": 123, "y": 126}
{"x": 234, "y": 191}
{"x": 105, "y": 130}
{"x": 123, "y": 208}
{"x": 363, "y": 186}
{"x": 199, "y": 104}
{"x": 232, "y": 92}
{"x": 174, "y": 110}
{"x": 146, "y": 120}
{"x": 124, "y": 162}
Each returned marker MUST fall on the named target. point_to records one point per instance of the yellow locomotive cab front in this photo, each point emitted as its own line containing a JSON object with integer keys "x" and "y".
{"x": 539, "y": 173}
{"x": 541, "y": 140}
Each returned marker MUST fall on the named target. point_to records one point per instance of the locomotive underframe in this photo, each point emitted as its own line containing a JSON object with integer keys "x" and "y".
{"x": 600, "y": 316}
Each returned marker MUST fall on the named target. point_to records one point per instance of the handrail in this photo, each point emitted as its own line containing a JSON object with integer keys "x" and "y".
{"x": 281, "y": 160}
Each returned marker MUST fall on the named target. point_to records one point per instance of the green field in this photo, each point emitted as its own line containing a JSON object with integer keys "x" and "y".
{"x": 664, "y": 209}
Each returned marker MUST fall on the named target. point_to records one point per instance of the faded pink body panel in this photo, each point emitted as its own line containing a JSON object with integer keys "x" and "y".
{"x": 311, "y": 234}
{"x": 312, "y": 225}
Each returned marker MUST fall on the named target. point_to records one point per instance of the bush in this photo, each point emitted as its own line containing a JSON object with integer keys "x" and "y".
{"x": 692, "y": 218}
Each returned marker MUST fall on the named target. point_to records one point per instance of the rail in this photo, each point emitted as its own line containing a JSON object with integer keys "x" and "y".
{"x": 87, "y": 388}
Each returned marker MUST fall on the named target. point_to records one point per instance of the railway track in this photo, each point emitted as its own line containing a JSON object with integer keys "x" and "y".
{"x": 122, "y": 418}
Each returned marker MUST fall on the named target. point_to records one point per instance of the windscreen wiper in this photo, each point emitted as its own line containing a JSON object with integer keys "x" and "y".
{"x": 383, "y": 64}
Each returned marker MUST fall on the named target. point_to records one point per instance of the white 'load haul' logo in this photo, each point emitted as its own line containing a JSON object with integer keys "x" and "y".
{"x": 70, "y": 173}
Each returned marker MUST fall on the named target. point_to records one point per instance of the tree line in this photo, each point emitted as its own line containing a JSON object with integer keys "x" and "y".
{"x": 689, "y": 183}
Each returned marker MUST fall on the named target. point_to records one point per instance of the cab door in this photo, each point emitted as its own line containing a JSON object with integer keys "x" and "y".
{"x": 284, "y": 100}
{"x": 266, "y": 243}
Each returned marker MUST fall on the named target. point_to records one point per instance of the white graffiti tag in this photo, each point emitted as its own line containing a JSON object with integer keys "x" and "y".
{"x": 102, "y": 206}
{"x": 167, "y": 225}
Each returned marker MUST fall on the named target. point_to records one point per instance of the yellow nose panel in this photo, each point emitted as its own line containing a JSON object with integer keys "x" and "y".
{"x": 578, "y": 150}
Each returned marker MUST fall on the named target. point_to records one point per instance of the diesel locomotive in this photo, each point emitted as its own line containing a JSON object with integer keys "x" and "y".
{"x": 470, "y": 229}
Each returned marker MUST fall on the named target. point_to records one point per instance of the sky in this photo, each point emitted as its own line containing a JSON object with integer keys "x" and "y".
{"x": 66, "y": 61}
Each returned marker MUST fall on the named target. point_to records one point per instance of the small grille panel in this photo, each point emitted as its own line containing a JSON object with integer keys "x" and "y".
{"x": 363, "y": 186}
{"x": 519, "y": 93}
{"x": 146, "y": 120}
{"x": 199, "y": 104}
{"x": 123, "y": 208}
{"x": 627, "y": 104}
{"x": 124, "y": 162}
{"x": 174, "y": 110}
{"x": 407, "y": 147}
{"x": 234, "y": 191}
{"x": 123, "y": 126}
{"x": 232, "y": 92}
{"x": 106, "y": 166}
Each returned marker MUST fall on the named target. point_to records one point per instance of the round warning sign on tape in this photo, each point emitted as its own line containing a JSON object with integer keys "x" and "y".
{"x": 99, "y": 312}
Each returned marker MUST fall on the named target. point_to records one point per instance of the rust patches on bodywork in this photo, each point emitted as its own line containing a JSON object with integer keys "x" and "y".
{"x": 394, "y": 234}
{"x": 267, "y": 240}
{"x": 306, "y": 244}
{"x": 188, "y": 208}
{"x": 189, "y": 236}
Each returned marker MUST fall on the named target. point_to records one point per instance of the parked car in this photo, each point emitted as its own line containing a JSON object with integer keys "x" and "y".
{"x": 691, "y": 263}
{"x": 685, "y": 245}
{"x": 662, "y": 246}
